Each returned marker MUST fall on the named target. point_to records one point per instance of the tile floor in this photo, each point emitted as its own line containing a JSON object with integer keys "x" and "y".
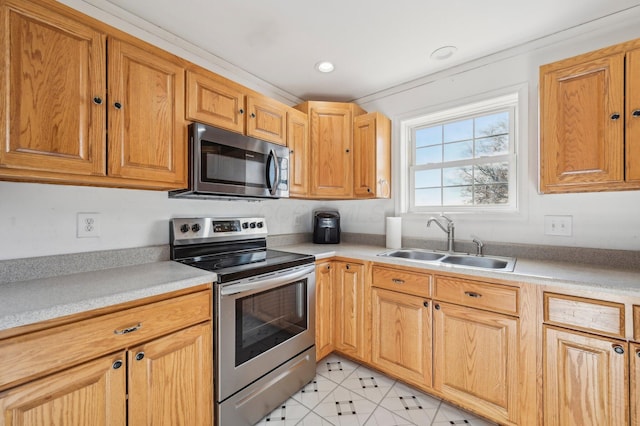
{"x": 344, "y": 393}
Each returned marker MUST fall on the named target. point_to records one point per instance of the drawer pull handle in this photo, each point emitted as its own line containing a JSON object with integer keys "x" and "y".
{"x": 473, "y": 294}
{"x": 139, "y": 356}
{"x": 618, "y": 349}
{"x": 128, "y": 329}
{"x": 117, "y": 364}
{"x": 397, "y": 281}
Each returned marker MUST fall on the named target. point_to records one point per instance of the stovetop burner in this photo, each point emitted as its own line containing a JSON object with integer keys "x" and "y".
{"x": 233, "y": 248}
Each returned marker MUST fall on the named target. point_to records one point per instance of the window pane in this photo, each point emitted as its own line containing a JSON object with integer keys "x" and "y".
{"x": 458, "y": 131}
{"x": 428, "y": 178}
{"x": 458, "y": 151}
{"x": 432, "y": 154}
{"x": 457, "y": 176}
{"x": 491, "y": 173}
{"x": 428, "y": 197}
{"x": 429, "y": 136}
{"x": 492, "y": 194}
{"x": 457, "y": 195}
{"x": 494, "y": 124}
{"x": 497, "y": 145}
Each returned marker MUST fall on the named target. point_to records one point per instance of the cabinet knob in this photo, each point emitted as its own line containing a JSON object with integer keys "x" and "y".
{"x": 291, "y": 152}
{"x": 636, "y": 113}
{"x": 347, "y": 151}
{"x": 618, "y": 349}
{"x": 241, "y": 111}
{"x": 117, "y": 105}
{"x": 117, "y": 364}
{"x": 348, "y": 266}
{"x": 97, "y": 100}
{"x": 328, "y": 266}
{"x": 253, "y": 115}
{"x": 437, "y": 306}
{"x": 139, "y": 356}
{"x": 638, "y": 353}
{"x": 369, "y": 190}
{"x": 425, "y": 304}
{"x": 615, "y": 116}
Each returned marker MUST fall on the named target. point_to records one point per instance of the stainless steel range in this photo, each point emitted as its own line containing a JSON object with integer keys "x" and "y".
{"x": 264, "y": 313}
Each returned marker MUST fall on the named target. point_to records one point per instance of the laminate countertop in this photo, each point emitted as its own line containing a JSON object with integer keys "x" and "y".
{"x": 547, "y": 273}
{"x": 32, "y": 301}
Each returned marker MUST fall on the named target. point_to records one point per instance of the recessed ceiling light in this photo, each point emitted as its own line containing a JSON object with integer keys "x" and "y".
{"x": 444, "y": 52}
{"x": 325, "y": 66}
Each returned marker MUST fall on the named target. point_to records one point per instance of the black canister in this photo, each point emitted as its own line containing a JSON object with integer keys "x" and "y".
{"x": 326, "y": 227}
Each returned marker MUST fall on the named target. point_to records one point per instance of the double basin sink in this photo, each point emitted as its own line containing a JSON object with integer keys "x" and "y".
{"x": 463, "y": 260}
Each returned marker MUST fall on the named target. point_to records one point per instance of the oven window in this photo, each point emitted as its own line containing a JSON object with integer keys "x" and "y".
{"x": 265, "y": 320}
{"x": 230, "y": 165}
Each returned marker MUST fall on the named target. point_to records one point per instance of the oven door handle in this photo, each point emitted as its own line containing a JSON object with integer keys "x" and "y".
{"x": 265, "y": 284}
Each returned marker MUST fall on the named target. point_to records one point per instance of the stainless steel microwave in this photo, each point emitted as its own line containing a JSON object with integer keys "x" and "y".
{"x": 228, "y": 164}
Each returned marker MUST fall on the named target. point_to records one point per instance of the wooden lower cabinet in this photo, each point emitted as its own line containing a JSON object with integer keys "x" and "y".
{"x": 93, "y": 393}
{"x": 325, "y": 308}
{"x": 476, "y": 360}
{"x": 585, "y": 379}
{"x": 350, "y": 305}
{"x": 635, "y": 384}
{"x": 401, "y": 335}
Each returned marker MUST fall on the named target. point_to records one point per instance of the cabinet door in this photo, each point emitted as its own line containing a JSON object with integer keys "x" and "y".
{"x": 171, "y": 379}
{"x": 267, "y": 119}
{"x": 147, "y": 132}
{"x": 582, "y": 125}
{"x": 476, "y": 360}
{"x": 93, "y": 393}
{"x": 632, "y": 138}
{"x": 331, "y": 151}
{"x": 372, "y": 156}
{"x": 401, "y": 335}
{"x": 325, "y": 309}
{"x": 635, "y": 384}
{"x": 584, "y": 379}
{"x": 52, "y": 69}
{"x": 350, "y": 307}
{"x": 298, "y": 142}
{"x": 214, "y": 100}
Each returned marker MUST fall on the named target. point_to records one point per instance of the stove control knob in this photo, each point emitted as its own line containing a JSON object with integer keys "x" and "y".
{"x": 259, "y": 224}
{"x": 252, "y": 225}
{"x": 245, "y": 225}
{"x": 184, "y": 228}
{"x": 195, "y": 227}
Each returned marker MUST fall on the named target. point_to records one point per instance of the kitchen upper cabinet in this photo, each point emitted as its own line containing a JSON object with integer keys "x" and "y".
{"x": 217, "y": 101}
{"x": 325, "y": 309}
{"x": 584, "y": 379}
{"x": 56, "y": 99}
{"x": 147, "y": 131}
{"x": 476, "y": 360}
{"x": 372, "y": 156}
{"x": 53, "y": 94}
{"x": 331, "y": 148}
{"x": 298, "y": 143}
{"x": 401, "y": 335}
{"x": 350, "y": 307}
{"x": 586, "y": 102}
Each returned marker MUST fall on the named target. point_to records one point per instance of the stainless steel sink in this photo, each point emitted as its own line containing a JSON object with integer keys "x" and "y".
{"x": 414, "y": 254}
{"x": 462, "y": 260}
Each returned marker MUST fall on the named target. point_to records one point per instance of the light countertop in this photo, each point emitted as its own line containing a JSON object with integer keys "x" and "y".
{"x": 28, "y": 302}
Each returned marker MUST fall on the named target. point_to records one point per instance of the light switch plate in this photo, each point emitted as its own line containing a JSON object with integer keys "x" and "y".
{"x": 558, "y": 225}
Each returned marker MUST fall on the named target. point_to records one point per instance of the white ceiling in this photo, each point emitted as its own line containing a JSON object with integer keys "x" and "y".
{"x": 374, "y": 44}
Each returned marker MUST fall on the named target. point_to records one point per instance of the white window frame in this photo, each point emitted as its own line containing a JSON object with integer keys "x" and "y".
{"x": 514, "y": 98}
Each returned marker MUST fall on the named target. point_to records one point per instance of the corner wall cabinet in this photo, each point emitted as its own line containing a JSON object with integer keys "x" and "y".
{"x": 58, "y": 99}
{"x": 298, "y": 143}
{"x": 150, "y": 364}
{"x": 590, "y": 121}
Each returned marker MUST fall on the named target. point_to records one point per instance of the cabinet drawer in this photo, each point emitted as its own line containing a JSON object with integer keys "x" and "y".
{"x": 596, "y": 316}
{"x": 26, "y": 356}
{"x": 493, "y": 297}
{"x": 403, "y": 281}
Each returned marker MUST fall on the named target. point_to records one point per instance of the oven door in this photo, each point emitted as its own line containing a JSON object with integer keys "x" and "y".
{"x": 262, "y": 322}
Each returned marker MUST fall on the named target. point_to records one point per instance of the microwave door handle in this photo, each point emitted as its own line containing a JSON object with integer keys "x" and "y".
{"x": 273, "y": 186}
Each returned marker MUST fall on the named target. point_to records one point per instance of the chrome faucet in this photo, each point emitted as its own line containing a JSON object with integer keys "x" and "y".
{"x": 479, "y": 245}
{"x": 448, "y": 229}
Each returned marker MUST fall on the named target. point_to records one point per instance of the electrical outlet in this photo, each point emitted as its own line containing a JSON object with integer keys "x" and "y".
{"x": 88, "y": 225}
{"x": 558, "y": 225}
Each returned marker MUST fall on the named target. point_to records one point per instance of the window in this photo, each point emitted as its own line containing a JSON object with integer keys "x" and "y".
{"x": 463, "y": 158}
